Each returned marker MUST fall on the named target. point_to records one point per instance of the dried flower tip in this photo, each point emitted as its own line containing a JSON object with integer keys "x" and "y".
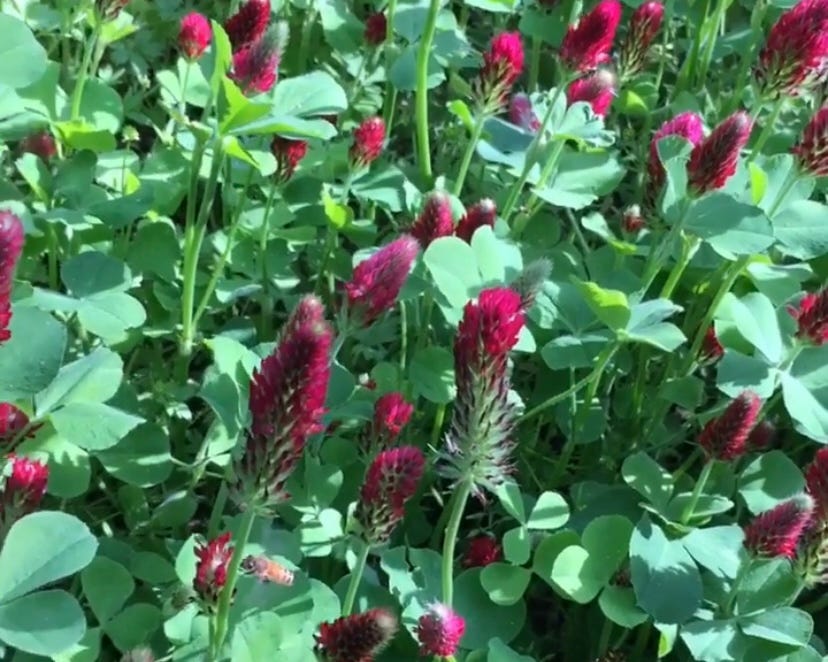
{"x": 369, "y": 138}
{"x": 587, "y": 43}
{"x": 376, "y": 28}
{"x": 288, "y": 154}
{"x": 711, "y": 349}
{"x": 811, "y": 152}
{"x": 644, "y": 26}
{"x": 356, "y": 638}
{"x": 777, "y": 532}
{"x": 439, "y": 631}
{"x": 248, "y": 24}
{"x": 195, "y": 35}
{"x": 11, "y": 245}
{"x": 434, "y": 221}
{"x": 531, "y": 280}
{"x": 811, "y": 316}
{"x": 482, "y": 550}
{"x": 12, "y": 422}
{"x": 213, "y": 558}
{"x": 598, "y": 90}
{"x": 685, "y": 125}
{"x": 40, "y": 144}
{"x": 714, "y": 160}
{"x": 391, "y": 414}
{"x": 725, "y": 438}
{"x": 521, "y": 113}
{"x": 480, "y": 214}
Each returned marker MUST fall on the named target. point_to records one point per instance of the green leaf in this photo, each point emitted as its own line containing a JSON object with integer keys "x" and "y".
{"x": 256, "y": 637}
{"x": 42, "y": 623}
{"x": 110, "y": 314}
{"x": 550, "y": 512}
{"x": 809, "y": 415}
{"x": 101, "y": 107}
{"x": 784, "y": 625}
{"x": 310, "y": 95}
{"x": 92, "y": 425}
{"x": 453, "y": 266}
{"x": 134, "y": 626}
{"x": 717, "y": 548}
{"x": 801, "y": 230}
{"x": 517, "y": 545}
{"x": 31, "y": 358}
{"x": 755, "y": 318}
{"x": 609, "y": 306}
{"x": 142, "y": 458}
{"x": 107, "y": 586}
{"x": 431, "y": 372}
{"x": 500, "y": 652}
{"x": 22, "y": 58}
{"x": 618, "y": 604}
{"x": 714, "y": 641}
{"x": 575, "y": 576}
{"x": 88, "y": 649}
{"x": 42, "y": 548}
{"x": 339, "y": 215}
{"x": 768, "y": 583}
{"x": 508, "y": 492}
{"x": 664, "y": 336}
{"x": 769, "y": 480}
{"x": 69, "y": 470}
{"x": 649, "y": 479}
{"x": 582, "y": 177}
{"x": 549, "y": 550}
{"x": 505, "y": 583}
{"x": 490, "y": 620}
{"x": 729, "y": 226}
{"x": 92, "y": 378}
{"x": 738, "y": 373}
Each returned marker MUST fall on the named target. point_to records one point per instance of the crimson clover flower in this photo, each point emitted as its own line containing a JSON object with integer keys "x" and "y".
{"x": 356, "y": 638}
{"x": 11, "y": 245}
{"x": 816, "y": 484}
{"x": 213, "y": 559}
{"x": 369, "y": 139}
{"x": 288, "y": 153}
{"x": 249, "y": 24}
{"x": 502, "y": 66}
{"x": 762, "y": 436}
{"x": 256, "y": 66}
{"x": 777, "y": 532}
{"x": 194, "y": 35}
{"x": 725, "y": 437}
{"x": 711, "y": 349}
{"x": 811, "y": 317}
{"x": 685, "y": 125}
{"x": 587, "y": 43}
{"x": 480, "y": 214}
{"x": 596, "y": 89}
{"x": 23, "y": 489}
{"x": 521, "y": 113}
{"x": 12, "y": 422}
{"x": 439, "y": 631}
{"x": 40, "y": 144}
{"x": 482, "y": 550}
{"x": 713, "y": 161}
{"x": 811, "y": 152}
{"x": 434, "y": 221}
{"x": 391, "y": 414}
{"x": 631, "y": 220}
{"x": 376, "y": 27}
{"x": 644, "y": 26}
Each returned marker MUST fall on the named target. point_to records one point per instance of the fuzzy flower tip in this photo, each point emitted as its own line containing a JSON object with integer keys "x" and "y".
{"x": 356, "y": 638}
{"x": 391, "y": 480}
{"x": 587, "y": 43}
{"x": 212, "y": 559}
{"x": 795, "y": 52}
{"x": 376, "y": 26}
{"x": 194, "y": 35}
{"x": 377, "y": 281}
{"x": 482, "y": 550}
{"x": 434, "y": 221}
{"x": 369, "y": 138}
{"x": 391, "y": 414}
{"x": 439, "y": 631}
{"x": 480, "y": 214}
{"x": 521, "y": 113}
{"x": 811, "y": 317}
{"x": 711, "y": 349}
{"x": 256, "y": 66}
{"x": 777, "y": 532}
{"x": 12, "y": 422}
{"x": 816, "y": 484}
{"x": 644, "y": 26}
{"x": 531, "y": 280}
{"x": 11, "y": 245}
{"x": 288, "y": 154}
{"x": 811, "y": 152}
{"x": 713, "y": 161}
{"x": 40, "y": 144}
{"x": 725, "y": 438}
{"x": 248, "y": 24}
{"x": 598, "y": 90}
{"x": 685, "y": 125}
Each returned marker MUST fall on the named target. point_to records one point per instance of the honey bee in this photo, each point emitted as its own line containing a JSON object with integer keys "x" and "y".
{"x": 267, "y": 570}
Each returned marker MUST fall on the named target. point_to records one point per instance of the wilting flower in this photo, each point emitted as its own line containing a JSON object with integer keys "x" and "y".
{"x": 521, "y": 113}
{"x": 713, "y": 161}
{"x": 391, "y": 480}
{"x": 12, "y": 422}
{"x": 288, "y": 154}
{"x": 287, "y": 402}
{"x": 588, "y": 42}
{"x": 11, "y": 245}
{"x": 211, "y": 569}
{"x": 778, "y": 531}
{"x": 356, "y": 638}
{"x": 811, "y": 316}
{"x": 762, "y": 436}
{"x": 502, "y": 66}
{"x": 480, "y": 214}
{"x": 439, "y": 631}
{"x": 531, "y": 280}
{"x": 377, "y": 281}
{"x": 256, "y": 67}
{"x": 391, "y": 415}
{"x": 194, "y": 35}
{"x": 248, "y": 24}
{"x": 632, "y": 220}
{"x": 711, "y": 349}
{"x": 644, "y": 26}
{"x": 685, "y": 125}
{"x": 811, "y": 152}
{"x": 795, "y": 52}
{"x": 435, "y": 219}
{"x": 376, "y": 27}
{"x": 40, "y": 144}
{"x": 725, "y": 438}
{"x": 598, "y": 90}
{"x": 369, "y": 138}
{"x": 483, "y": 550}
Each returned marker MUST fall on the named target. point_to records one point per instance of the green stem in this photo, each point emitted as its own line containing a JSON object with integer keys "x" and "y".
{"x": 52, "y": 256}
{"x": 767, "y": 129}
{"x": 713, "y": 29}
{"x": 603, "y": 641}
{"x": 641, "y": 642}
{"x": 661, "y": 252}
{"x": 467, "y": 155}
{"x": 690, "y": 507}
{"x": 425, "y": 326}
{"x": 748, "y": 56}
{"x": 439, "y": 417}
{"x": 356, "y": 578}
{"x": 688, "y": 245}
{"x": 534, "y": 201}
{"x": 421, "y": 93}
{"x": 216, "y": 513}
{"x": 304, "y": 40}
{"x": 730, "y": 603}
{"x": 534, "y": 63}
{"x": 817, "y": 605}
{"x": 555, "y": 399}
{"x": 83, "y": 73}
{"x": 689, "y": 72}
{"x": 450, "y": 540}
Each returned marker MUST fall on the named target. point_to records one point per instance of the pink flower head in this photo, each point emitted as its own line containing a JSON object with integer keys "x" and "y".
{"x": 685, "y": 125}
{"x": 12, "y": 422}
{"x": 377, "y": 281}
{"x": 256, "y": 67}
{"x": 439, "y": 631}
{"x": 811, "y": 151}
{"x": 521, "y": 113}
{"x": 711, "y": 349}
{"x": 288, "y": 154}
{"x": 713, "y": 161}
{"x": 762, "y": 436}
{"x": 11, "y": 245}
{"x": 795, "y": 52}
{"x": 26, "y": 485}
{"x": 213, "y": 558}
{"x": 391, "y": 414}
{"x": 811, "y": 316}
{"x": 631, "y": 220}
{"x": 489, "y": 328}
{"x": 356, "y": 638}
{"x": 480, "y": 214}
{"x": 587, "y": 43}
{"x": 725, "y": 438}
{"x": 483, "y": 550}
{"x": 434, "y": 221}
{"x": 376, "y": 27}
{"x": 40, "y": 144}
{"x": 644, "y": 26}
{"x": 816, "y": 484}
{"x": 503, "y": 62}
{"x": 369, "y": 138}
{"x": 194, "y": 35}
{"x": 777, "y": 532}
{"x": 597, "y": 89}
{"x": 392, "y": 479}
{"x": 249, "y": 24}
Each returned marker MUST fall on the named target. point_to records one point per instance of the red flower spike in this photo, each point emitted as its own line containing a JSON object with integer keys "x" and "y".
{"x": 483, "y": 550}
{"x": 40, "y": 144}
{"x": 12, "y": 422}
{"x": 391, "y": 480}
{"x": 811, "y": 152}
{"x": 816, "y": 484}
{"x": 503, "y": 62}
{"x": 26, "y": 485}
{"x": 521, "y": 113}
{"x": 376, "y": 28}
{"x": 194, "y": 35}
{"x": 598, "y": 90}
{"x": 377, "y": 281}
{"x": 369, "y": 138}
{"x": 288, "y": 154}
{"x": 356, "y": 638}
{"x": 480, "y": 214}
{"x": 685, "y": 125}
{"x": 711, "y": 349}
{"x": 587, "y": 44}
{"x": 439, "y": 631}
{"x": 489, "y": 328}
{"x": 644, "y": 26}
{"x": 391, "y": 414}
{"x": 255, "y": 67}
{"x": 249, "y": 24}
{"x": 434, "y": 221}
{"x": 725, "y": 438}
{"x": 795, "y": 52}
{"x": 631, "y": 220}
{"x": 713, "y": 161}
{"x": 213, "y": 558}
{"x": 811, "y": 316}
{"x": 777, "y": 532}
{"x": 11, "y": 245}
{"x": 762, "y": 436}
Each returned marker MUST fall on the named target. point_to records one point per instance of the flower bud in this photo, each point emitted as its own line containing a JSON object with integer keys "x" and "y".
{"x": 587, "y": 43}
{"x": 40, "y": 144}
{"x": 391, "y": 414}
{"x": 12, "y": 422}
{"x": 685, "y": 125}
{"x": 480, "y": 214}
{"x": 256, "y": 67}
{"x": 213, "y": 559}
{"x": 369, "y": 138}
{"x": 249, "y": 24}
{"x": 714, "y": 160}
{"x": 632, "y": 220}
{"x": 482, "y": 550}
{"x": 376, "y": 27}
{"x": 288, "y": 154}
{"x": 711, "y": 349}
{"x": 725, "y": 438}
{"x": 11, "y": 245}
{"x": 194, "y": 35}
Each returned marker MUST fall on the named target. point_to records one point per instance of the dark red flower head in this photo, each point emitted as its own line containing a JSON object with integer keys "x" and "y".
{"x": 483, "y": 550}
{"x": 714, "y": 160}
{"x": 521, "y": 113}
{"x": 369, "y": 138}
{"x": 288, "y": 154}
{"x": 711, "y": 349}
{"x": 644, "y": 26}
{"x": 25, "y": 486}
{"x": 725, "y": 438}
{"x": 356, "y": 638}
{"x": 439, "y": 631}
{"x": 480, "y": 214}
{"x": 391, "y": 415}
{"x": 503, "y": 62}
{"x": 194, "y": 35}
{"x": 256, "y": 66}
{"x": 391, "y": 480}
{"x": 377, "y": 281}
{"x": 587, "y": 43}
{"x": 12, "y": 422}
{"x": 795, "y": 52}
{"x": 811, "y": 316}
{"x": 248, "y": 24}
{"x": 816, "y": 484}
{"x": 435, "y": 219}
{"x": 213, "y": 558}
{"x": 597, "y": 89}
{"x": 376, "y": 27}
{"x": 811, "y": 152}
{"x": 631, "y": 220}
{"x": 762, "y": 436}
{"x": 489, "y": 328}
{"x": 40, "y": 144}
{"x": 685, "y": 125}
{"x": 11, "y": 245}
{"x": 777, "y": 532}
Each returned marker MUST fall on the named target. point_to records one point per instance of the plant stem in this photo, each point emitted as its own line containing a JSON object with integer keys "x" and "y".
{"x": 214, "y": 522}
{"x": 689, "y": 71}
{"x": 767, "y": 129}
{"x": 304, "y": 40}
{"x": 555, "y": 399}
{"x": 467, "y": 155}
{"x": 690, "y": 507}
{"x": 450, "y": 540}
{"x": 714, "y": 23}
{"x": 748, "y": 56}
{"x": 439, "y": 417}
{"x": 730, "y": 603}
{"x": 606, "y": 633}
{"x": 83, "y": 73}
{"x": 534, "y": 202}
{"x": 688, "y": 245}
{"x": 356, "y": 578}
{"x": 641, "y": 642}
{"x": 390, "y": 90}
{"x": 534, "y": 63}
{"x": 421, "y": 93}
